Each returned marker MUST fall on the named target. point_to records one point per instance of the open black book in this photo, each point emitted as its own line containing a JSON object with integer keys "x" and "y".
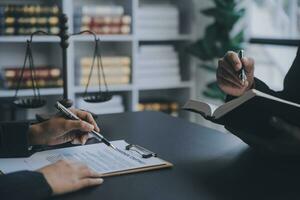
{"x": 262, "y": 102}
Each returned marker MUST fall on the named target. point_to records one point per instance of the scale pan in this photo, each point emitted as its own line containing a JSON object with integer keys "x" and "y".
{"x": 98, "y": 98}
{"x": 29, "y": 103}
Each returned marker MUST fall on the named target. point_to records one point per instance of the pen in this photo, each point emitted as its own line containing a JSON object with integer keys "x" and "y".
{"x": 67, "y": 113}
{"x": 242, "y": 75}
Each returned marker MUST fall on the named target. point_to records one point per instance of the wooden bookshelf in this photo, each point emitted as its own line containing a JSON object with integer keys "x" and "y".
{"x": 126, "y": 44}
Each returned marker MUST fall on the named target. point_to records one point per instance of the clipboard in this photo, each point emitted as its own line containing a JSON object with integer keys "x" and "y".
{"x": 103, "y": 159}
{"x": 145, "y": 154}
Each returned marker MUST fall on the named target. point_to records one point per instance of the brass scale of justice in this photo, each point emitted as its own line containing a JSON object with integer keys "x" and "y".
{"x": 36, "y": 100}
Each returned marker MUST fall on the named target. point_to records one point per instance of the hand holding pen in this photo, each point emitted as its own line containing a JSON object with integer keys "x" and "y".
{"x": 70, "y": 115}
{"x": 235, "y": 73}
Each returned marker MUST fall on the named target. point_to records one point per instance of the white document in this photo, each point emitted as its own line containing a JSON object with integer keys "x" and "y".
{"x": 99, "y": 157}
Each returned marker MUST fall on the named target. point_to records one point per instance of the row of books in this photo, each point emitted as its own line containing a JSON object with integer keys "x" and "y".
{"x": 45, "y": 77}
{"x": 169, "y": 107}
{"x": 157, "y": 65}
{"x": 103, "y": 20}
{"x": 160, "y": 20}
{"x": 115, "y": 105}
{"x": 116, "y": 68}
{"x": 25, "y": 19}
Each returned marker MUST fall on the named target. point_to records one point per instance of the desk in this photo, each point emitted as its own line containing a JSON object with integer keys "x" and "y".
{"x": 208, "y": 164}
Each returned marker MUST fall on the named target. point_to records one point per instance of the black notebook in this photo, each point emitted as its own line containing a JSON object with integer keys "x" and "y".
{"x": 259, "y": 101}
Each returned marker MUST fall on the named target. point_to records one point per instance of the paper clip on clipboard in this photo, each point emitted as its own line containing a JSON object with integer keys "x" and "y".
{"x": 145, "y": 153}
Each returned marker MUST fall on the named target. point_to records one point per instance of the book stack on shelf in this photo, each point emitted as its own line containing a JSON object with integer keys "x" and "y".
{"x": 157, "y": 65}
{"x": 161, "y": 20}
{"x": 116, "y": 68}
{"x": 26, "y": 19}
{"x": 103, "y": 20}
{"x": 115, "y": 105}
{"x": 162, "y": 105}
{"x": 45, "y": 77}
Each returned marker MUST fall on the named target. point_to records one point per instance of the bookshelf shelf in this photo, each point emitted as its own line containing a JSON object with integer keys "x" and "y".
{"x": 184, "y": 84}
{"x": 48, "y": 52}
{"x": 28, "y": 92}
{"x": 181, "y": 37}
{"x": 24, "y": 38}
{"x": 112, "y": 88}
{"x": 103, "y": 38}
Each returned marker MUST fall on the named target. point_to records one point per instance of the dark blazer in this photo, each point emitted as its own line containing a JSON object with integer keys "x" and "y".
{"x": 250, "y": 120}
{"x": 24, "y": 184}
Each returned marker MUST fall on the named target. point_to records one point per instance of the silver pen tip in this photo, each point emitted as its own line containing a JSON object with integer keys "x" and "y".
{"x": 112, "y": 146}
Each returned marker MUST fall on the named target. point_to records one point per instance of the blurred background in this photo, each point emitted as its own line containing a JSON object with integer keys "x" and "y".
{"x": 156, "y": 54}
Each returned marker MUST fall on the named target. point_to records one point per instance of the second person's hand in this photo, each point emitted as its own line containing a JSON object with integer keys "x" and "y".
{"x": 229, "y": 68}
{"x": 69, "y": 176}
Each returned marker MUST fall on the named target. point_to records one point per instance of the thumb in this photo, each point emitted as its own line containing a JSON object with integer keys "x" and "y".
{"x": 248, "y": 63}
{"x": 81, "y": 125}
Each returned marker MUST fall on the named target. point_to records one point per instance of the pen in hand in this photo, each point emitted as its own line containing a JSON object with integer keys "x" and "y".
{"x": 242, "y": 75}
{"x": 67, "y": 113}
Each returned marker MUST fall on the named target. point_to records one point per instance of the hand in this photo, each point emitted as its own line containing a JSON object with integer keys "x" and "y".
{"x": 66, "y": 176}
{"x": 59, "y": 130}
{"x": 228, "y": 74}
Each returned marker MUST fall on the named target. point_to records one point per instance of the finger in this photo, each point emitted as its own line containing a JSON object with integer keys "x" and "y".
{"x": 231, "y": 89}
{"x": 233, "y": 59}
{"x": 223, "y": 75}
{"x": 76, "y": 141}
{"x": 89, "y": 182}
{"x": 83, "y": 138}
{"x": 248, "y": 64}
{"x": 81, "y": 125}
{"x": 86, "y": 172}
{"x": 84, "y": 115}
{"x": 229, "y": 83}
{"x": 225, "y": 66}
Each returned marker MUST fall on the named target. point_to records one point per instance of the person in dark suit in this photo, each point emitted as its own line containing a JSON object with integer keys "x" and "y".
{"x": 16, "y": 139}
{"x": 262, "y": 131}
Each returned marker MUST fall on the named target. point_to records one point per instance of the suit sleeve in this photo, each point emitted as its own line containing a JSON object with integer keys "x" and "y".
{"x": 24, "y": 185}
{"x": 248, "y": 119}
{"x": 13, "y": 139}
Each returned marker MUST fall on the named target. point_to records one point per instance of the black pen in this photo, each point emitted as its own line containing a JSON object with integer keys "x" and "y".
{"x": 67, "y": 113}
{"x": 242, "y": 75}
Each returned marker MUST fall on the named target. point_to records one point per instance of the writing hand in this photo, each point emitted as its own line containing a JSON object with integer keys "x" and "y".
{"x": 228, "y": 72}
{"x": 59, "y": 130}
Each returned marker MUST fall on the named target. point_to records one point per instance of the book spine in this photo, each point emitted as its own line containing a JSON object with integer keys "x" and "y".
{"x": 166, "y": 107}
{"x": 108, "y": 29}
{"x": 109, "y": 71}
{"x": 42, "y": 83}
{"x": 109, "y": 80}
{"x": 23, "y": 20}
{"x": 103, "y": 10}
{"x": 47, "y": 73}
{"x": 105, "y": 20}
{"x": 107, "y": 61}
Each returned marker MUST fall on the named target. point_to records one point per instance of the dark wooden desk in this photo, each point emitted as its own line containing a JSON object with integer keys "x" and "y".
{"x": 208, "y": 164}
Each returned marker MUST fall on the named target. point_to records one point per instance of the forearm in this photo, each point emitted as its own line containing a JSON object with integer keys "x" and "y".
{"x": 24, "y": 185}
{"x": 14, "y": 139}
